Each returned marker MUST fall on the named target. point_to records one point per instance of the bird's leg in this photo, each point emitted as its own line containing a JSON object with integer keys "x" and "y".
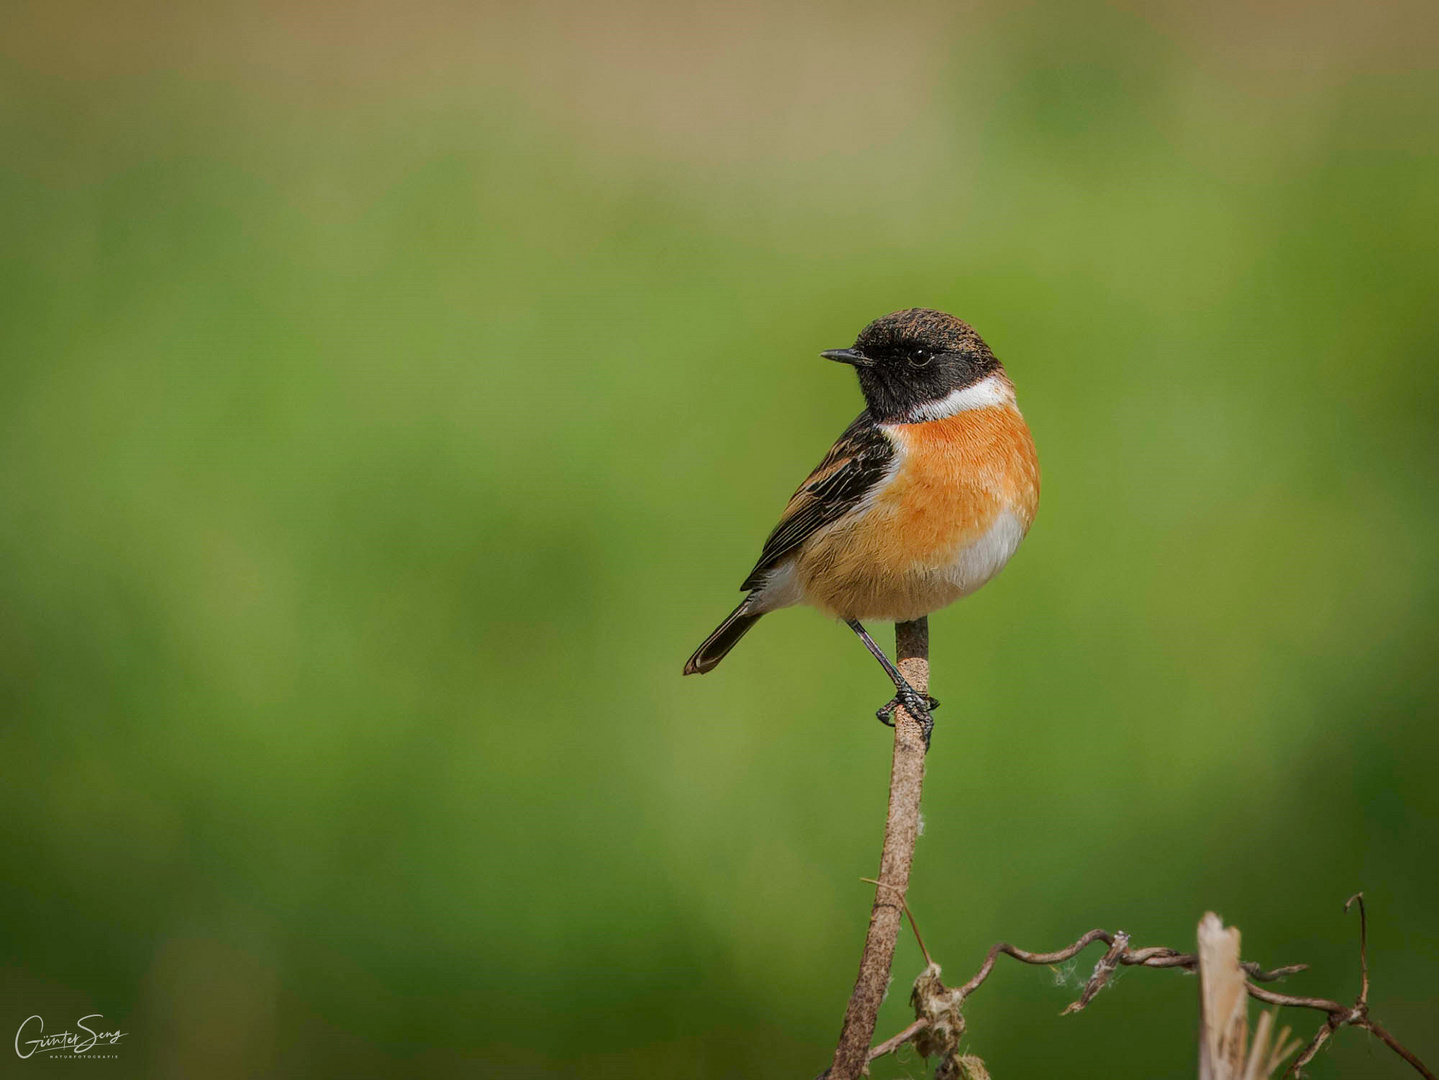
{"x": 905, "y": 695}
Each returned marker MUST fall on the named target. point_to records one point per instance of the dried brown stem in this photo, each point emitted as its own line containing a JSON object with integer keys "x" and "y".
{"x": 1106, "y": 967}
{"x": 1375, "y": 1027}
{"x": 894, "y": 1042}
{"x": 1358, "y": 898}
{"x": 901, "y": 827}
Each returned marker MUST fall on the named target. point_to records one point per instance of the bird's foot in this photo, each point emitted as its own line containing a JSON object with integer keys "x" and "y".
{"x": 912, "y": 705}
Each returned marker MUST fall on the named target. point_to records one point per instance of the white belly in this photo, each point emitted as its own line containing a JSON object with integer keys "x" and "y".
{"x": 981, "y": 559}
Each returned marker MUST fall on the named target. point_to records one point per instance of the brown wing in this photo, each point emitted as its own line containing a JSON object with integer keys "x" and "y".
{"x": 855, "y": 464}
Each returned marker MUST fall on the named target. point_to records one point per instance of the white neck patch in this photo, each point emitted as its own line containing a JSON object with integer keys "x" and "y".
{"x": 985, "y": 394}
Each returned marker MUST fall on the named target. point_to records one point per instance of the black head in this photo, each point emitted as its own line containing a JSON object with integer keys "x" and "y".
{"x": 913, "y": 358}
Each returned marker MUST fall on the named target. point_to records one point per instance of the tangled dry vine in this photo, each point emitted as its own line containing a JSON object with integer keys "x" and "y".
{"x": 937, "y": 1007}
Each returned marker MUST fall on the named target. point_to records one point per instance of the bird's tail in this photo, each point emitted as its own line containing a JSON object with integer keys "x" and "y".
{"x": 725, "y": 638}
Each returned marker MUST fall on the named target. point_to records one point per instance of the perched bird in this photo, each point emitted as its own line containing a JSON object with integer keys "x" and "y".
{"x": 921, "y": 501}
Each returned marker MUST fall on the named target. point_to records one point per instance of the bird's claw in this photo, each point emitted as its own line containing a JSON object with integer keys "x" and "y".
{"x": 912, "y": 705}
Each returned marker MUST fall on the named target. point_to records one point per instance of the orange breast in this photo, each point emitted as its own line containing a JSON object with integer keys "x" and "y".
{"x": 957, "y": 474}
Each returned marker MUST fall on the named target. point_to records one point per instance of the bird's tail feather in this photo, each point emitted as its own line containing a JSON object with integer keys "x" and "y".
{"x": 725, "y": 637}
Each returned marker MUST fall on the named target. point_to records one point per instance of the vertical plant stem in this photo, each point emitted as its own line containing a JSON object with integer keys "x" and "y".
{"x": 901, "y": 827}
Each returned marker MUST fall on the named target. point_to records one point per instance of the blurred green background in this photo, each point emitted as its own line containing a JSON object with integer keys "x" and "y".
{"x": 394, "y": 394}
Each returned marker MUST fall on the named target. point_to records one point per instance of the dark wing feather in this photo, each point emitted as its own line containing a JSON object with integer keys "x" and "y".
{"x": 854, "y": 465}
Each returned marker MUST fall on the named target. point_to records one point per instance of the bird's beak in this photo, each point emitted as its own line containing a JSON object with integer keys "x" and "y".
{"x": 848, "y": 356}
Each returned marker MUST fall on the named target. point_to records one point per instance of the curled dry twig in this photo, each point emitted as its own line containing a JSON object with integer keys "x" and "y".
{"x": 935, "y": 1003}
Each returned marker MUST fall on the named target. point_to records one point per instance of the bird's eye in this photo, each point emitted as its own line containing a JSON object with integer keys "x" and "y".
{"x": 920, "y": 357}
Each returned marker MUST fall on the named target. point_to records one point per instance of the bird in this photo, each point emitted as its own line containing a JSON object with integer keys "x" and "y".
{"x": 923, "y": 499}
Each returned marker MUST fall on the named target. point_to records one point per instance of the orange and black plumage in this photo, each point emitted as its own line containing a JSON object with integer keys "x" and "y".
{"x": 923, "y": 498}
